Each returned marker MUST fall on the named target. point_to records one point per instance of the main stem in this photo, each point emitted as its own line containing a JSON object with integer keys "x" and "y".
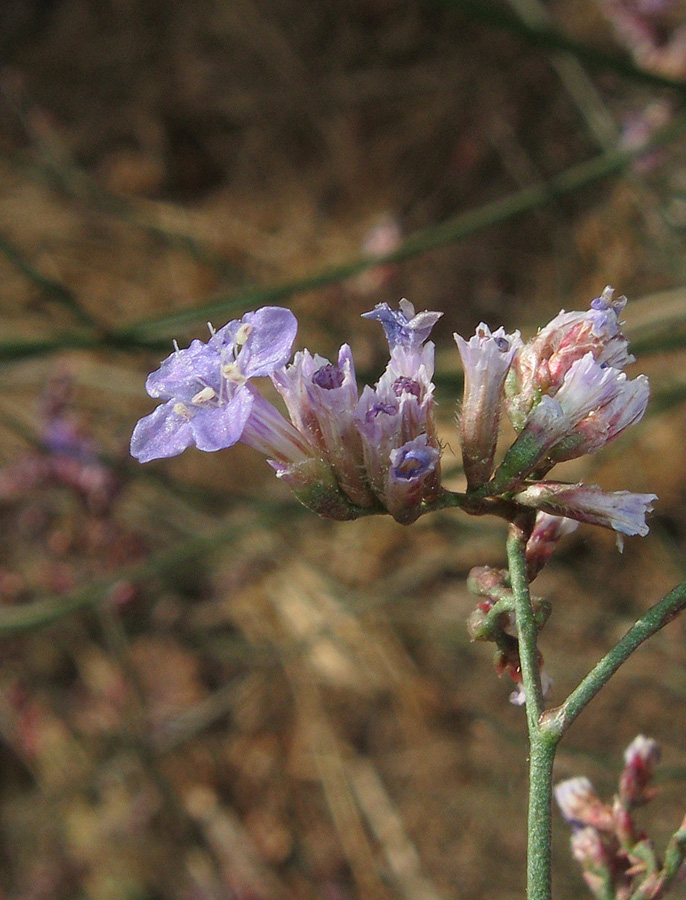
{"x": 542, "y": 743}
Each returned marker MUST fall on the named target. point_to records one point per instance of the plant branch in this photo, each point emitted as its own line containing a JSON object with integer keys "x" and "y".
{"x": 542, "y": 745}
{"x": 557, "y": 721}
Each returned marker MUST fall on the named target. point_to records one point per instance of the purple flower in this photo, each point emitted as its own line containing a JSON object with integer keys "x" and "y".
{"x": 486, "y": 359}
{"x": 593, "y": 406}
{"x": 402, "y": 327}
{"x": 542, "y": 364}
{"x": 621, "y": 510}
{"x": 410, "y": 478}
{"x": 321, "y": 398}
{"x": 395, "y": 418}
{"x": 207, "y": 399}
{"x": 406, "y": 333}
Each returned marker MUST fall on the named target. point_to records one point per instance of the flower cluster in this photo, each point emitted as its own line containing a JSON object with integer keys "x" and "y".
{"x": 343, "y": 454}
{"x": 617, "y": 857}
{"x": 347, "y": 454}
{"x": 566, "y": 395}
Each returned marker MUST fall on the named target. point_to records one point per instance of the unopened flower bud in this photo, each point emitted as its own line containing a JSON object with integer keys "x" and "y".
{"x": 580, "y": 805}
{"x": 547, "y": 533}
{"x": 485, "y": 581}
{"x": 625, "y": 829}
{"x": 589, "y": 850}
{"x": 640, "y": 759}
{"x": 486, "y": 359}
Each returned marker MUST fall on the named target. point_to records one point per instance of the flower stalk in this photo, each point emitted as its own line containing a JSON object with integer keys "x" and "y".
{"x": 542, "y": 744}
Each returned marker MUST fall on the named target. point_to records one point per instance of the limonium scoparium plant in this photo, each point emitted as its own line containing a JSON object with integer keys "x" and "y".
{"x": 347, "y": 453}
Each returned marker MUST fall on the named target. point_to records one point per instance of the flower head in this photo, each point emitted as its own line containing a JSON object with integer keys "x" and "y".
{"x": 542, "y": 364}
{"x": 591, "y": 407}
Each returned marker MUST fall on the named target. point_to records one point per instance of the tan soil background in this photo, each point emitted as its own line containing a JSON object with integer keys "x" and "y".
{"x": 295, "y": 710}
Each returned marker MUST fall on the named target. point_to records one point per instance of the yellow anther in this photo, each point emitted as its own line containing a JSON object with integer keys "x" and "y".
{"x": 204, "y": 395}
{"x": 232, "y": 374}
{"x": 182, "y": 410}
{"x": 243, "y": 334}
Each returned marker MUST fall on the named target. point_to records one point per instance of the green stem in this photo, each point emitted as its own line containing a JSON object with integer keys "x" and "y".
{"x": 526, "y": 626}
{"x": 557, "y": 721}
{"x": 542, "y": 743}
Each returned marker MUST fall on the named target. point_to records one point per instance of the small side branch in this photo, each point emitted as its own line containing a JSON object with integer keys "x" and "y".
{"x": 557, "y": 721}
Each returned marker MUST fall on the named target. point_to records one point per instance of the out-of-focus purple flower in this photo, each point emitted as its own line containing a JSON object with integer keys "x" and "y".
{"x": 542, "y": 364}
{"x": 620, "y": 510}
{"x": 640, "y": 759}
{"x": 380, "y": 240}
{"x": 580, "y": 805}
{"x": 486, "y": 359}
{"x": 207, "y": 399}
{"x": 548, "y": 531}
{"x": 652, "y": 31}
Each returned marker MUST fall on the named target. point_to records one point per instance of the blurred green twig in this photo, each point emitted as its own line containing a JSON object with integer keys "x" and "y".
{"x": 48, "y": 286}
{"x": 147, "y": 334}
{"x": 548, "y": 38}
{"x": 43, "y": 612}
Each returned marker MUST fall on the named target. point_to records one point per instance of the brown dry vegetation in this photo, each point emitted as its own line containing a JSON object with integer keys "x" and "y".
{"x": 268, "y": 705}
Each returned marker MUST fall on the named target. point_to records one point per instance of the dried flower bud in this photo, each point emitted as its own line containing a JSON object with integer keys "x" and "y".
{"x": 640, "y": 759}
{"x": 580, "y": 805}
{"x": 547, "y": 533}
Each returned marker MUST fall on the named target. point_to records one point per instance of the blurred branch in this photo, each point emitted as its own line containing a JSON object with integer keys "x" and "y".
{"x": 571, "y": 73}
{"x": 455, "y": 229}
{"x": 558, "y": 721}
{"x": 539, "y": 34}
{"x": 49, "y": 286}
{"x": 147, "y": 334}
{"x": 14, "y": 619}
